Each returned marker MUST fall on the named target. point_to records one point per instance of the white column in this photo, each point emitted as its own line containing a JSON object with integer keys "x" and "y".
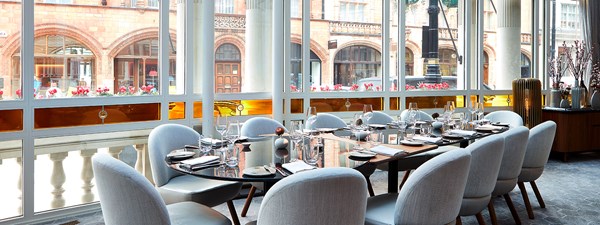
{"x": 258, "y": 58}
{"x": 58, "y": 179}
{"x": 278, "y": 60}
{"x": 87, "y": 174}
{"x": 204, "y": 44}
{"x": 180, "y": 62}
{"x": 508, "y": 60}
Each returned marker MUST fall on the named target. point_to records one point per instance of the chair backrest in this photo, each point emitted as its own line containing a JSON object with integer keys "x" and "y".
{"x": 433, "y": 193}
{"x": 505, "y": 116}
{"x": 327, "y": 120}
{"x": 540, "y": 142}
{"x": 256, "y": 126}
{"x": 486, "y": 156}
{"x": 162, "y": 140}
{"x": 321, "y": 196}
{"x": 380, "y": 118}
{"x": 512, "y": 159}
{"x": 126, "y": 197}
{"x": 420, "y": 115}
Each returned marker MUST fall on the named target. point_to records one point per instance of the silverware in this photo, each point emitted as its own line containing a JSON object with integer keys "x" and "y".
{"x": 280, "y": 170}
{"x": 268, "y": 169}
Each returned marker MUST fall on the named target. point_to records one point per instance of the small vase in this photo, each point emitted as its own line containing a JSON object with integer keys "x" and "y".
{"x": 595, "y": 100}
{"x": 576, "y": 93}
{"x": 564, "y": 104}
{"x": 555, "y": 97}
{"x": 585, "y": 96}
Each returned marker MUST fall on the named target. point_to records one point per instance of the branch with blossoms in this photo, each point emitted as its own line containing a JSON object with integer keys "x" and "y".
{"x": 556, "y": 69}
{"x": 583, "y": 56}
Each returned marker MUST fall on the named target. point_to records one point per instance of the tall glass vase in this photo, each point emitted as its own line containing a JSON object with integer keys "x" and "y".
{"x": 576, "y": 92}
{"x": 585, "y": 96}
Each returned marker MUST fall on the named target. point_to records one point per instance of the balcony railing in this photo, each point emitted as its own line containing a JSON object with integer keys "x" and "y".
{"x": 354, "y": 28}
{"x": 68, "y": 160}
{"x": 227, "y": 22}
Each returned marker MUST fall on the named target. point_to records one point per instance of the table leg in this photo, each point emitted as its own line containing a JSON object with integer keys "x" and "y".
{"x": 393, "y": 177}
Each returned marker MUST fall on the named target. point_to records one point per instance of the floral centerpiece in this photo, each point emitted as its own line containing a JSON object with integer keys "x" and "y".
{"x": 577, "y": 64}
{"x": 20, "y": 94}
{"x": 52, "y": 92}
{"x": 427, "y": 86}
{"x": 81, "y": 91}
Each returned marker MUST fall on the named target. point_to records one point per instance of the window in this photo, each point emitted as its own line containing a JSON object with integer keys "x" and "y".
{"x": 296, "y": 6}
{"x": 358, "y": 65}
{"x": 296, "y": 68}
{"x": 153, "y": 3}
{"x": 410, "y": 62}
{"x": 569, "y": 16}
{"x": 224, "y": 6}
{"x": 353, "y": 10}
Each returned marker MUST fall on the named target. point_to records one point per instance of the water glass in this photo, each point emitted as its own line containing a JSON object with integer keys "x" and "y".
{"x": 311, "y": 154}
{"x": 410, "y": 134}
{"x": 232, "y": 155}
{"x": 425, "y": 129}
{"x": 376, "y": 138}
{"x": 205, "y": 148}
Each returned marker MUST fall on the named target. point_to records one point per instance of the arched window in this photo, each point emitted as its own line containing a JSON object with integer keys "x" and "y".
{"x": 525, "y": 66}
{"x": 61, "y": 62}
{"x": 486, "y": 65}
{"x": 410, "y": 62}
{"x": 137, "y": 65}
{"x": 353, "y": 63}
{"x": 447, "y": 62}
{"x": 296, "y": 67}
{"x": 228, "y": 75}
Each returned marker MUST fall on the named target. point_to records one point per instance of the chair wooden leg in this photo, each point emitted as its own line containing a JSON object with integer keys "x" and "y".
{"x": 480, "y": 219}
{"x": 537, "y": 194}
{"x": 370, "y": 187}
{"x": 248, "y": 201}
{"x": 526, "y": 200}
{"x": 458, "y": 220}
{"x": 404, "y": 178}
{"x": 513, "y": 211}
{"x": 492, "y": 212}
{"x": 234, "y": 217}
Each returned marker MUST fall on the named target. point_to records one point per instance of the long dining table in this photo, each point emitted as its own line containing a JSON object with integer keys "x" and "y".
{"x": 335, "y": 152}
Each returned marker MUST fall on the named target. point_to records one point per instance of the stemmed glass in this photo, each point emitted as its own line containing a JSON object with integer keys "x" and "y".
{"x": 480, "y": 111}
{"x": 367, "y": 113}
{"x": 412, "y": 113}
{"x": 296, "y": 135}
{"x": 473, "y": 109}
{"x": 221, "y": 125}
{"x": 233, "y": 134}
{"x": 357, "y": 126}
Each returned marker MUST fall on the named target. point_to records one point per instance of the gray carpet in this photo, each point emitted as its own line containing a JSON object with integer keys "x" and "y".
{"x": 570, "y": 191}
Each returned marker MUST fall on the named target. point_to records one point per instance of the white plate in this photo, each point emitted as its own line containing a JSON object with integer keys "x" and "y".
{"x": 452, "y": 136}
{"x": 180, "y": 155}
{"x": 259, "y": 171}
{"x": 485, "y": 129}
{"x": 359, "y": 154}
{"x": 377, "y": 126}
{"x": 326, "y": 130}
{"x": 411, "y": 143}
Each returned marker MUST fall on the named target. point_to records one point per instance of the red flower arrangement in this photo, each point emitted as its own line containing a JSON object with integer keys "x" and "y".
{"x": 324, "y": 88}
{"x": 368, "y": 86}
{"x": 52, "y": 92}
{"x": 126, "y": 90}
{"x": 103, "y": 91}
{"x": 293, "y": 88}
{"x": 81, "y": 91}
{"x": 337, "y": 87}
{"x": 148, "y": 90}
{"x": 20, "y": 94}
{"x": 1, "y": 93}
{"x": 354, "y": 87}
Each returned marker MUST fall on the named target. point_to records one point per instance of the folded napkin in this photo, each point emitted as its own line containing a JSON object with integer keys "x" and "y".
{"x": 384, "y": 150}
{"x": 213, "y": 142}
{"x": 200, "y": 162}
{"x": 427, "y": 139}
{"x": 463, "y": 132}
{"x": 489, "y": 126}
{"x": 297, "y": 166}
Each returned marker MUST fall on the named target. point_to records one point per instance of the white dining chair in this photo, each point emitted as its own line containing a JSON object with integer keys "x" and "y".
{"x": 177, "y": 187}
{"x": 327, "y": 196}
{"x": 253, "y": 129}
{"x": 514, "y": 151}
{"x": 431, "y": 195}
{"x": 380, "y": 118}
{"x": 127, "y": 197}
{"x": 486, "y": 156}
{"x": 505, "y": 116}
{"x": 540, "y": 142}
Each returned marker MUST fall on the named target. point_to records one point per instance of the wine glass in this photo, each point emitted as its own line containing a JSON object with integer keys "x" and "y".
{"x": 356, "y": 126}
{"x": 233, "y": 131}
{"x": 311, "y": 117}
{"x": 480, "y": 111}
{"x": 221, "y": 125}
{"x": 473, "y": 109}
{"x": 367, "y": 112}
{"x": 296, "y": 135}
